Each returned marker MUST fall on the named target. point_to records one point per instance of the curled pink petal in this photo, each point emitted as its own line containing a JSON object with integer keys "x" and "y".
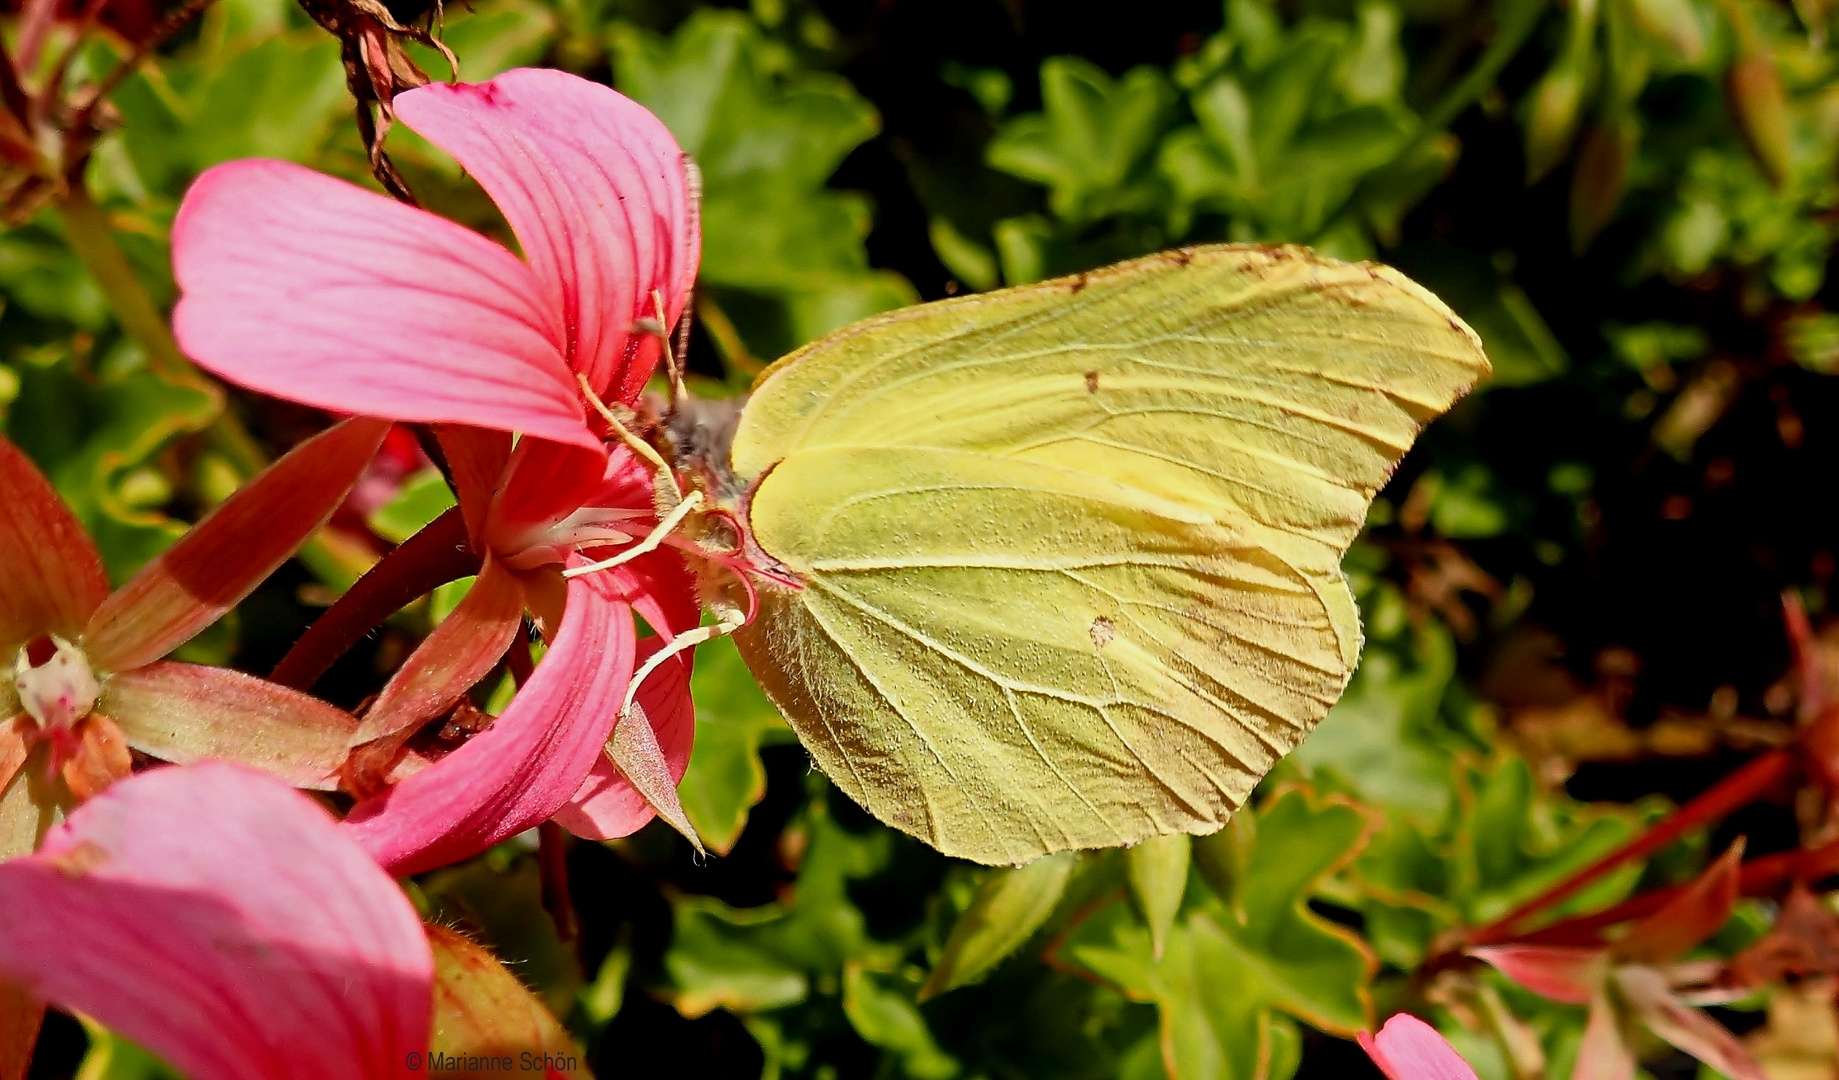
{"x": 609, "y": 804}
{"x": 313, "y": 290}
{"x": 526, "y": 765}
{"x": 222, "y": 920}
{"x": 1568, "y": 973}
{"x": 595, "y": 188}
{"x": 1409, "y": 1049}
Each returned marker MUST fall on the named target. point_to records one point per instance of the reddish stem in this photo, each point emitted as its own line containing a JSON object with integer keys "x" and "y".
{"x": 1765, "y": 876}
{"x": 434, "y": 556}
{"x": 1734, "y": 791}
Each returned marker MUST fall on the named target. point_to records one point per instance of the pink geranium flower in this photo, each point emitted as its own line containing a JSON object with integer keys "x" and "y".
{"x": 1407, "y": 1048}
{"x": 82, "y": 674}
{"x": 224, "y": 921}
{"x": 311, "y": 289}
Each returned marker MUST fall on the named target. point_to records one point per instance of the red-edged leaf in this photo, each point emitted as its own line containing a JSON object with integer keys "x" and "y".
{"x": 448, "y": 663}
{"x": 225, "y": 556}
{"x": 220, "y": 918}
{"x": 1689, "y": 918}
{"x": 1648, "y": 995}
{"x": 1567, "y": 973}
{"x": 186, "y": 712}
{"x": 519, "y": 771}
{"x": 53, "y": 577}
{"x": 1407, "y": 1048}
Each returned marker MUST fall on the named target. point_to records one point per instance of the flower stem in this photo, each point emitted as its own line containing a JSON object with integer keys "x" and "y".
{"x": 1734, "y": 791}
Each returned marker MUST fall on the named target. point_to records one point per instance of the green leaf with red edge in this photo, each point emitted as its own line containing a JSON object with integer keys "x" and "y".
{"x": 186, "y": 712}
{"x": 480, "y": 1009}
{"x": 53, "y": 578}
{"x": 1698, "y": 912}
{"x": 225, "y": 556}
{"x": 1244, "y": 959}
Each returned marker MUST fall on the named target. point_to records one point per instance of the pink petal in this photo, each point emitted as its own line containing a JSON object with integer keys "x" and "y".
{"x": 53, "y": 577}
{"x": 1647, "y": 993}
{"x": 520, "y": 770}
{"x": 477, "y": 459}
{"x": 595, "y": 188}
{"x": 545, "y": 483}
{"x": 1567, "y": 973}
{"x": 316, "y": 291}
{"x": 188, "y": 712}
{"x": 222, "y": 920}
{"x": 1409, "y": 1049}
{"x": 448, "y": 662}
{"x": 224, "y": 557}
{"x": 1698, "y": 912}
{"x": 1603, "y": 1054}
{"x": 610, "y": 804}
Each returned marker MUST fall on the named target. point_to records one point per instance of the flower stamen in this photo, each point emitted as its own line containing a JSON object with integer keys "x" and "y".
{"x": 652, "y": 541}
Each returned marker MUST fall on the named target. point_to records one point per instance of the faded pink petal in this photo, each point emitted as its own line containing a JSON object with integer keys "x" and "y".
{"x": 609, "y": 804}
{"x": 190, "y": 712}
{"x": 596, "y": 190}
{"x": 525, "y": 766}
{"x": 53, "y": 575}
{"x": 477, "y": 459}
{"x": 224, "y": 557}
{"x": 317, "y": 291}
{"x": 222, "y": 920}
{"x": 1603, "y": 1054}
{"x": 545, "y": 483}
{"x": 1648, "y": 995}
{"x": 1698, "y": 912}
{"x": 1409, "y": 1049}
{"x": 1567, "y": 973}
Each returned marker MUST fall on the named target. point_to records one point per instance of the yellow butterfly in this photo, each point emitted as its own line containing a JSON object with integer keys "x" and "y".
{"x": 1068, "y": 555}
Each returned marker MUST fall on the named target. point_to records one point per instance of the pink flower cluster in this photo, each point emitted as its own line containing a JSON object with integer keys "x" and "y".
{"x": 206, "y": 909}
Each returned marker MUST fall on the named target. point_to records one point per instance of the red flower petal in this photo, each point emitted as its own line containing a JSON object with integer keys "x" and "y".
{"x": 1409, "y": 1049}
{"x": 53, "y": 577}
{"x": 221, "y": 919}
{"x": 519, "y": 771}
{"x": 1698, "y": 912}
{"x": 1568, "y": 973}
{"x": 617, "y": 802}
{"x": 596, "y": 190}
{"x": 225, "y": 556}
{"x": 313, "y": 290}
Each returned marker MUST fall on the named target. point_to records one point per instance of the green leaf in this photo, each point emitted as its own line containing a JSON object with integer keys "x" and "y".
{"x": 1240, "y": 967}
{"x": 1091, "y": 144}
{"x": 1158, "y": 874}
{"x": 1009, "y": 907}
{"x": 733, "y": 721}
{"x": 422, "y": 498}
{"x": 886, "y": 1017}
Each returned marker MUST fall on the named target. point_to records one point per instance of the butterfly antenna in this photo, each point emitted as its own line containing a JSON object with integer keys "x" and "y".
{"x": 692, "y": 176}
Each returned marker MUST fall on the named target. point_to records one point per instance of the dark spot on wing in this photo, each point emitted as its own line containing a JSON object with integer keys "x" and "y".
{"x": 1079, "y": 282}
{"x": 1180, "y": 256}
{"x": 1103, "y": 630}
{"x": 1091, "y": 382}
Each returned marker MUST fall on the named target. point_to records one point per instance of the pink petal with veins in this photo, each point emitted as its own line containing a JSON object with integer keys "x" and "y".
{"x": 595, "y": 188}
{"x": 1568, "y": 973}
{"x": 519, "y": 771}
{"x": 609, "y": 805}
{"x": 317, "y": 291}
{"x": 221, "y": 560}
{"x": 222, "y": 920}
{"x": 53, "y": 574}
{"x": 1409, "y": 1049}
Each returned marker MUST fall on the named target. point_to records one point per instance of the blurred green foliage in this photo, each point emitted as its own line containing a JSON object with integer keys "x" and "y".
{"x": 1634, "y": 203}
